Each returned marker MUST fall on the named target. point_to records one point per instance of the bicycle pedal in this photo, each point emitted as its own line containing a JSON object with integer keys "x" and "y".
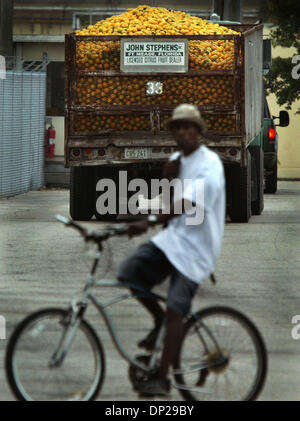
{"x": 146, "y": 395}
{"x": 142, "y": 395}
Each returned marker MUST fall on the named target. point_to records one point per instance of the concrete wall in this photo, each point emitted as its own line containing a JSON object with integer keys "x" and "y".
{"x": 289, "y": 137}
{"x": 289, "y": 142}
{"x": 35, "y": 50}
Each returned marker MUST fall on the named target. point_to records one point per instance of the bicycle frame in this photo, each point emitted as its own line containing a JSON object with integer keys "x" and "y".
{"x": 109, "y": 324}
{"x": 88, "y": 295}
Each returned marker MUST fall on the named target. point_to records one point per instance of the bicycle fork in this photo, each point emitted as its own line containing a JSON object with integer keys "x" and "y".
{"x": 70, "y": 325}
{"x": 158, "y": 346}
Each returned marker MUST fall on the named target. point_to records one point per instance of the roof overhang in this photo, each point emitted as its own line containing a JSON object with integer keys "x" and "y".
{"x": 38, "y": 38}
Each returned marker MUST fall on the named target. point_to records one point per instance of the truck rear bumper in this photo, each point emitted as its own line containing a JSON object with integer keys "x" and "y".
{"x": 79, "y": 153}
{"x": 117, "y": 157}
{"x": 113, "y": 162}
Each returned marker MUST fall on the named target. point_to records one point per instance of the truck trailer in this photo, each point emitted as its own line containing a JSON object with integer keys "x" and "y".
{"x": 120, "y": 92}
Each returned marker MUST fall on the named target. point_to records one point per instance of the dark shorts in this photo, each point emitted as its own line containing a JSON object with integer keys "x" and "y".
{"x": 148, "y": 266}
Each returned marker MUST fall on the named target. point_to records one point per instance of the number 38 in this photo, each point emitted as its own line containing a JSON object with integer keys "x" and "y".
{"x": 154, "y": 88}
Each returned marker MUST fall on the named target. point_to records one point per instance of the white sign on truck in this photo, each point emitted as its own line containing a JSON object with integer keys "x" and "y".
{"x": 148, "y": 55}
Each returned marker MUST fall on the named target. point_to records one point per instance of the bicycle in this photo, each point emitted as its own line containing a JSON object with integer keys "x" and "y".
{"x": 52, "y": 345}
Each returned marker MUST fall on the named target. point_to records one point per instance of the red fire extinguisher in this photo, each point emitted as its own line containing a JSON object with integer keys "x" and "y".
{"x": 49, "y": 142}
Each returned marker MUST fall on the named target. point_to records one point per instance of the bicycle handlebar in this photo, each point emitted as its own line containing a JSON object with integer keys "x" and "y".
{"x": 110, "y": 231}
{"x": 69, "y": 222}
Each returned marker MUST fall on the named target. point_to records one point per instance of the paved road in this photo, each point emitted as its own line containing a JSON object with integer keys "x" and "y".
{"x": 258, "y": 272}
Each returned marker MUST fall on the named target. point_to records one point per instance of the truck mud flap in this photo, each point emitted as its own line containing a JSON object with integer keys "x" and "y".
{"x": 82, "y": 193}
{"x": 239, "y": 192}
{"x": 271, "y": 180}
{"x": 257, "y": 159}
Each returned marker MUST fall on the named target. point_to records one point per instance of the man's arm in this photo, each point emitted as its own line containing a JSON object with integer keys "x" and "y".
{"x": 211, "y": 184}
{"x": 139, "y": 227}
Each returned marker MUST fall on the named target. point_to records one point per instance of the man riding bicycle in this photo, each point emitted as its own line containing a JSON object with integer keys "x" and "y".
{"x": 186, "y": 252}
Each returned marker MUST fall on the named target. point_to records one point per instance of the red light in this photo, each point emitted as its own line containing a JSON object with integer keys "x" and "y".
{"x": 101, "y": 152}
{"x": 272, "y": 133}
{"x": 88, "y": 151}
{"x": 233, "y": 152}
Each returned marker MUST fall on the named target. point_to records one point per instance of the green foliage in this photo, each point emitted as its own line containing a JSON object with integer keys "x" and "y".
{"x": 285, "y": 14}
{"x": 281, "y": 83}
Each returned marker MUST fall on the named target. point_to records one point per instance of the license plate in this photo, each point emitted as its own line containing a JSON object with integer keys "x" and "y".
{"x": 136, "y": 153}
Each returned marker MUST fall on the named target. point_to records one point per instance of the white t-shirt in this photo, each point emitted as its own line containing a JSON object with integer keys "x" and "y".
{"x": 194, "y": 249}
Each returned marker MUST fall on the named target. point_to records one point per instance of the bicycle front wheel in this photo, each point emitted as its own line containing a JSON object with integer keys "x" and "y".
{"x": 222, "y": 357}
{"x": 48, "y": 361}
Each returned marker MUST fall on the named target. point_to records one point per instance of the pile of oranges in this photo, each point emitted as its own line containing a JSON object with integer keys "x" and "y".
{"x": 145, "y": 20}
{"x": 214, "y": 122}
{"x": 128, "y": 90}
{"x": 108, "y": 123}
{"x": 220, "y": 123}
{"x": 102, "y": 55}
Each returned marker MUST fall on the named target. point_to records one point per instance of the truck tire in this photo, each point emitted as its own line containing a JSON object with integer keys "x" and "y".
{"x": 112, "y": 174}
{"x": 257, "y": 157}
{"x": 240, "y": 192}
{"x": 82, "y": 193}
{"x": 271, "y": 180}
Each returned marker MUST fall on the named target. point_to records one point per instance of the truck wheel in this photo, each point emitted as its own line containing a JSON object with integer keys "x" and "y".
{"x": 112, "y": 174}
{"x": 82, "y": 193}
{"x": 271, "y": 180}
{"x": 257, "y": 156}
{"x": 240, "y": 192}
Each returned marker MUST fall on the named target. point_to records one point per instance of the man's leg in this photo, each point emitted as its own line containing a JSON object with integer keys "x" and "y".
{"x": 146, "y": 267}
{"x": 152, "y": 306}
{"x": 181, "y": 293}
{"x": 173, "y": 337}
{"x": 158, "y": 314}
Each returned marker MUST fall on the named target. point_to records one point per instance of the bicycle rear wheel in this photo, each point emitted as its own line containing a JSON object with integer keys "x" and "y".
{"x": 222, "y": 356}
{"x": 29, "y": 359}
